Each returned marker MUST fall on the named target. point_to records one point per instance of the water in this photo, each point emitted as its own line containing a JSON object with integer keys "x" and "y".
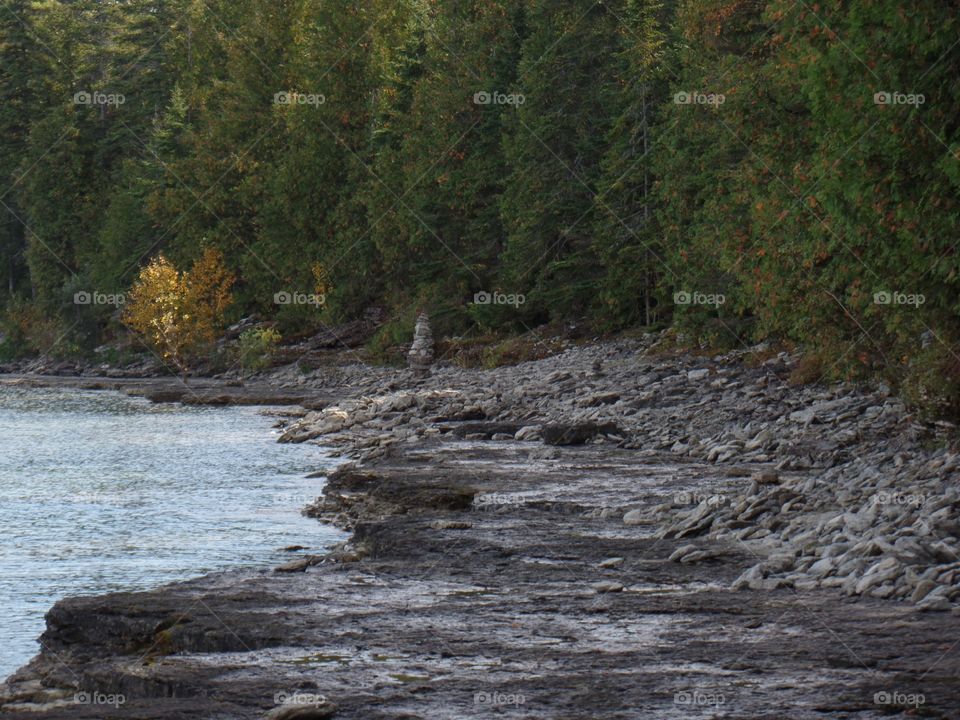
{"x": 102, "y": 492}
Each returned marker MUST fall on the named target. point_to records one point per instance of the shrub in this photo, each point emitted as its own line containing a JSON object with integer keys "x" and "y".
{"x": 257, "y": 346}
{"x": 179, "y": 314}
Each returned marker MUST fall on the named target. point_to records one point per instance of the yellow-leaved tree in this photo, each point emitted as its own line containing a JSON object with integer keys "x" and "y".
{"x": 180, "y": 313}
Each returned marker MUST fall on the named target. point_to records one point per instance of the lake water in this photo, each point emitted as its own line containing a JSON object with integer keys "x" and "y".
{"x": 102, "y": 492}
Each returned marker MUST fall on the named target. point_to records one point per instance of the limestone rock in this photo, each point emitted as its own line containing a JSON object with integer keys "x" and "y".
{"x": 420, "y": 357}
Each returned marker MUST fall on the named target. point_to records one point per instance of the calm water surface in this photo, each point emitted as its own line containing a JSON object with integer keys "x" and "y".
{"x": 103, "y": 492}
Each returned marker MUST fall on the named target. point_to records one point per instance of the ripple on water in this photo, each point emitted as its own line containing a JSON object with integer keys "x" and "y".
{"x": 102, "y": 492}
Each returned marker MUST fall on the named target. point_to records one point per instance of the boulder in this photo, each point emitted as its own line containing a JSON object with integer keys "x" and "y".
{"x": 575, "y": 433}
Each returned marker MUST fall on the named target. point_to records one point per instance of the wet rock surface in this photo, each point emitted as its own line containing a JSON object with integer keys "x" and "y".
{"x": 713, "y": 544}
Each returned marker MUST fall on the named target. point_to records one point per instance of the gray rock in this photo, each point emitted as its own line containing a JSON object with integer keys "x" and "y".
{"x": 750, "y": 578}
{"x": 805, "y": 417}
{"x": 529, "y": 432}
{"x": 575, "y": 433}
{"x": 611, "y": 563}
{"x": 420, "y": 357}
{"x": 924, "y": 587}
{"x": 317, "y": 710}
{"x": 934, "y": 604}
{"x": 682, "y": 551}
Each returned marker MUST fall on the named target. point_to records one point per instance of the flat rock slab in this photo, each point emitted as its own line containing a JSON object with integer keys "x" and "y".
{"x": 509, "y": 606}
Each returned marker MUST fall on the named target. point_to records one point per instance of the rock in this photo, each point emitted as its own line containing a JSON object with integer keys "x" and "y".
{"x": 635, "y": 517}
{"x": 485, "y": 430}
{"x": 316, "y": 709}
{"x": 934, "y": 604}
{"x": 299, "y": 565}
{"x": 765, "y": 477}
{"x": 695, "y": 375}
{"x": 420, "y": 357}
{"x": 611, "y": 563}
{"x": 450, "y": 525}
{"x": 575, "y": 433}
{"x": 751, "y": 578}
{"x": 924, "y": 587}
{"x": 607, "y": 586}
{"x": 528, "y": 432}
{"x": 697, "y": 556}
{"x": 822, "y": 567}
{"x": 804, "y": 417}
{"x": 607, "y": 398}
{"x": 680, "y": 552}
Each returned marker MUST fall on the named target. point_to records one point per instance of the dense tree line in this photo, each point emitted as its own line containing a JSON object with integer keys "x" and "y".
{"x": 743, "y": 169}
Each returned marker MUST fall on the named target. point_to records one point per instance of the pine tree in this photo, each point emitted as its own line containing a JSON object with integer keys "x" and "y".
{"x": 625, "y": 232}
{"x": 18, "y": 86}
{"x": 555, "y": 143}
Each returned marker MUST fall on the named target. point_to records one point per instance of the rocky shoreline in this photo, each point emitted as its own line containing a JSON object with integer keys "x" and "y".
{"x": 615, "y": 531}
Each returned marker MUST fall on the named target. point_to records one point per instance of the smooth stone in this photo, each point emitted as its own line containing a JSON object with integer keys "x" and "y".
{"x": 682, "y": 552}
{"x": 924, "y": 588}
{"x": 302, "y": 711}
{"x": 611, "y": 563}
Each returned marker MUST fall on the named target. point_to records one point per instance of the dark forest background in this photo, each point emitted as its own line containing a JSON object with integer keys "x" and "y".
{"x": 741, "y": 170}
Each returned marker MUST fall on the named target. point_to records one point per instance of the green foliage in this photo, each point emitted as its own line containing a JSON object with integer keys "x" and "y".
{"x": 616, "y": 161}
{"x": 257, "y": 346}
